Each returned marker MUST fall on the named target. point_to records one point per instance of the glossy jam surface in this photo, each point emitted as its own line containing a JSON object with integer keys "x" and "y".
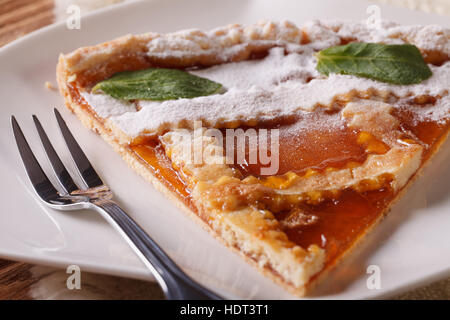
{"x": 314, "y": 140}
{"x": 339, "y": 222}
{"x": 153, "y": 154}
{"x": 427, "y": 131}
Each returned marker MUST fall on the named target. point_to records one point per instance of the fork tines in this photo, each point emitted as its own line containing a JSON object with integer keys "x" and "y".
{"x": 38, "y": 178}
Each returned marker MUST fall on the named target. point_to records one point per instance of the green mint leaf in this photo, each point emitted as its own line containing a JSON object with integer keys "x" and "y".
{"x": 392, "y": 63}
{"x": 156, "y": 84}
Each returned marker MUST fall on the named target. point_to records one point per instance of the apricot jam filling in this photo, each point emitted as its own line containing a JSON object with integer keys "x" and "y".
{"x": 315, "y": 141}
{"x": 335, "y": 223}
{"x": 153, "y": 155}
{"x": 422, "y": 128}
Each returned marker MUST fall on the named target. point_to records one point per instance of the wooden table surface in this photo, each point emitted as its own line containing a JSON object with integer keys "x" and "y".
{"x": 24, "y": 281}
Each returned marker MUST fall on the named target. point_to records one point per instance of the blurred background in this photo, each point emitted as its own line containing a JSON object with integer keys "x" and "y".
{"x": 19, "y": 17}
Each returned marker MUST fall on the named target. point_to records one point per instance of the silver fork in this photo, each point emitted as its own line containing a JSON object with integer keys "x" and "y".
{"x": 97, "y": 196}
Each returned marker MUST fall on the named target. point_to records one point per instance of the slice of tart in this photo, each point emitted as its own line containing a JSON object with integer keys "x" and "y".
{"x": 287, "y": 163}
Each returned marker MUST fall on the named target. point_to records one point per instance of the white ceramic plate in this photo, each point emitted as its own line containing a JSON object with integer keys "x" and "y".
{"x": 411, "y": 246}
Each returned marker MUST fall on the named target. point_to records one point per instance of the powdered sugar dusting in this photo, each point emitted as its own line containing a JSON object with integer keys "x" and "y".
{"x": 282, "y": 83}
{"x": 106, "y": 106}
{"x": 431, "y": 37}
{"x": 266, "y": 73}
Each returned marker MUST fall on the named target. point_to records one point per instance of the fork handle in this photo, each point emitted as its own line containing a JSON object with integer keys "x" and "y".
{"x": 176, "y": 284}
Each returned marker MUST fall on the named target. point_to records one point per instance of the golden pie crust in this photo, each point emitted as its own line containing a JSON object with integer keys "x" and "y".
{"x": 257, "y": 215}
